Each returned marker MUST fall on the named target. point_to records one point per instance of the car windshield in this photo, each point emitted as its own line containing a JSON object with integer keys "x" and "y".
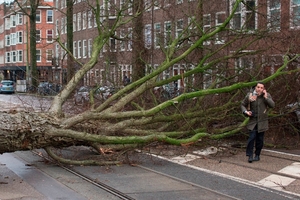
{"x": 7, "y": 83}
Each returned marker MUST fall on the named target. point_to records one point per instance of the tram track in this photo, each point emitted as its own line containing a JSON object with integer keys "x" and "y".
{"x": 98, "y": 184}
{"x": 122, "y": 195}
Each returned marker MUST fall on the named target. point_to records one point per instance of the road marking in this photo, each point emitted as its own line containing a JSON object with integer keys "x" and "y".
{"x": 184, "y": 158}
{"x": 276, "y": 182}
{"x": 293, "y": 169}
{"x": 280, "y": 182}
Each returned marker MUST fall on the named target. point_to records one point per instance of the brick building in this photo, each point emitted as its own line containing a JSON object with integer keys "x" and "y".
{"x": 271, "y": 24}
{"x": 259, "y": 35}
{"x": 14, "y": 40}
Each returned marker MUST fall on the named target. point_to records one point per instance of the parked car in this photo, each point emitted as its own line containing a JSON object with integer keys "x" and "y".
{"x": 7, "y": 86}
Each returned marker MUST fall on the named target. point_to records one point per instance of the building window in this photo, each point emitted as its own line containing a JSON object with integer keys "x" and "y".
{"x": 244, "y": 17}
{"x": 62, "y": 24}
{"x": 122, "y": 38}
{"x": 20, "y": 56}
{"x": 148, "y": 5}
{"x": 102, "y": 13}
{"x": 19, "y": 19}
{"x": 156, "y": 4}
{"x": 167, "y": 2}
{"x": 13, "y": 20}
{"x": 49, "y": 55}
{"x": 49, "y": 16}
{"x": 220, "y": 19}
{"x": 65, "y": 27}
{"x": 112, "y": 43}
{"x": 179, "y": 28}
{"x": 38, "y": 35}
{"x": 274, "y": 18}
{"x": 179, "y": 1}
{"x": 7, "y": 57}
{"x": 90, "y": 19}
{"x": 83, "y": 20}
{"x": 206, "y": 26}
{"x": 7, "y": 40}
{"x": 79, "y": 49}
{"x": 13, "y": 39}
{"x": 130, "y": 5}
{"x": 64, "y": 3}
{"x": 148, "y": 36}
{"x": 38, "y": 16}
{"x": 7, "y": 23}
{"x": 14, "y": 56}
{"x": 74, "y": 49}
{"x": 295, "y": 13}
{"x": 157, "y": 35}
{"x": 90, "y": 45}
{"x": 38, "y": 55}
{"x": 56, "y": 27}
{"x": 95, "y": 22}
{"x": 167, "y": 33}
{"x": 122, "y": 6}
{"x": 207, "y": 79}
{"x": 74, "y": 22}
{"x": 84, "y": 48}
{"x": 192, "y": 33}
{"x": 49, "y": 35}
{"x": 57, "y": 52}
{"x": 78, "y": 21}
{"x": 244, "y": 65}
{"x": 129, "y": 44}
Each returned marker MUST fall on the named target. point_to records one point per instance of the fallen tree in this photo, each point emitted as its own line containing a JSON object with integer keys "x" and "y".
{"x": 136, "y": 115}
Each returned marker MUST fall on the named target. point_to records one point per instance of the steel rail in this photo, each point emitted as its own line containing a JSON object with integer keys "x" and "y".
{"x": 98, "y": 184}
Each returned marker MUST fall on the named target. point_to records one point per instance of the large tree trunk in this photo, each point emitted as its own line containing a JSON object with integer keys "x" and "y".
{"x": 21, "y": 130}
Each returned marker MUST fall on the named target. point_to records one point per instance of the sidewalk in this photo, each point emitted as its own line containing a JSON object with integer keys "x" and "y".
{"x": 13, "y": 187}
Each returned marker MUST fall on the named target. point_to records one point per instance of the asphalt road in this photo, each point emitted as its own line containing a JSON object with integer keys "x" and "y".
{"x": 25, "y": 175}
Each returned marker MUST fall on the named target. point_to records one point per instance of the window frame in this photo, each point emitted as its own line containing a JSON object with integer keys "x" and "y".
{"x": 49, "y": 16}
{"x": 38, "y": 35}
{"x": 51, "y": 35}
{"x": 38, "y": 17}
{"x": 270, "y": 16}
{"x": 38, "y": 55}
{"x": 243, "y": 12}
{"x": 167, "y": 33}
{"x": 292, "y": 6}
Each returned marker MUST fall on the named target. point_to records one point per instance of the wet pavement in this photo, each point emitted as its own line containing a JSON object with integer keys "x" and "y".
{"x": 27, "y": 176}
